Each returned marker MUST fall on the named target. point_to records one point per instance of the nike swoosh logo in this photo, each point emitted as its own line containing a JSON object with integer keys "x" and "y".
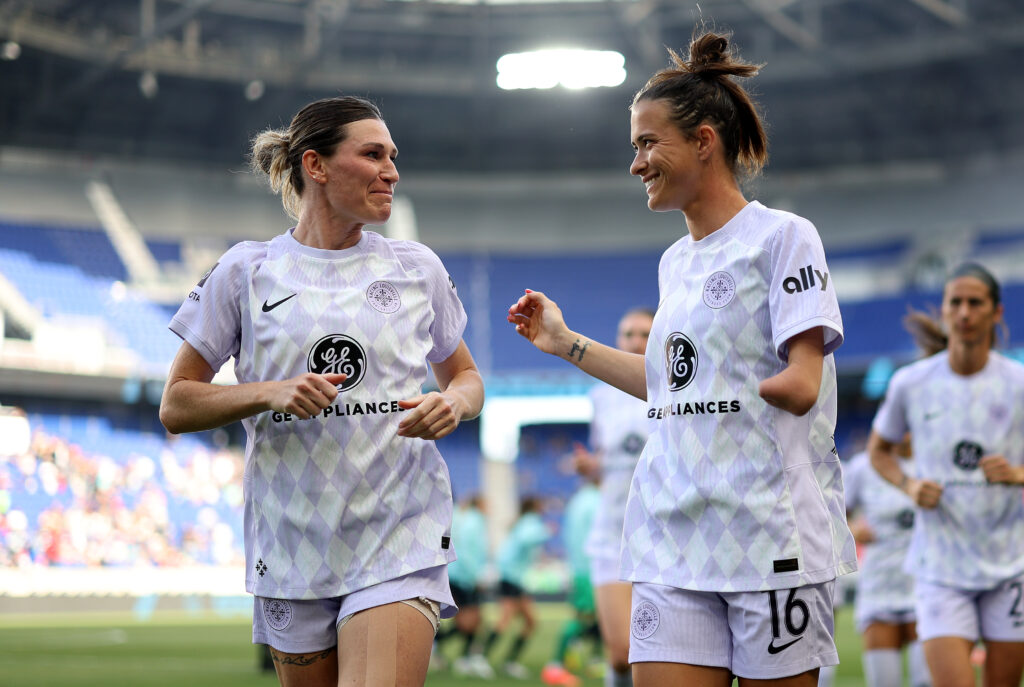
{"x": 772, "y": 649}
{"x": 267, "y": 307}
{"x": 932, "y": 416}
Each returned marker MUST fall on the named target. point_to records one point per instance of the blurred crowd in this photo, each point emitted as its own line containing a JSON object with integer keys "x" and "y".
{"x": 63, "y": 506}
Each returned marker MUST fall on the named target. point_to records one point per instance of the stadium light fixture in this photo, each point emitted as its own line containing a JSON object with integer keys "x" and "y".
{"x": 569, "y": 67}
{"x": 10, "y": 50}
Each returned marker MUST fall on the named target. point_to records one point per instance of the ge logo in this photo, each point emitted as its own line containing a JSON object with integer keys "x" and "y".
{"x": 681, "y": 361}
{"x": 905, "y": 519}
{"x": 338, "y": 354}
{"x": 967, "y": 455}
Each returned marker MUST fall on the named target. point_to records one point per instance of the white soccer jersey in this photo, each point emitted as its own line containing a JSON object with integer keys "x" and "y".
{"x": 882, "y": 584}
{"x": 732, "y": 494}
{"x": 339, "y": 502}
{"x": 618, "y": 432}
{"x": 974, "y": 539}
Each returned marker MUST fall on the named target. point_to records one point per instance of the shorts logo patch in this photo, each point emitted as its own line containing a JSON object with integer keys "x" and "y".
{"x": 719, "y": 290}
{"x": 383, "y": 297}
{"x": 278, "y": 613}
{"x": 646, "y": 619}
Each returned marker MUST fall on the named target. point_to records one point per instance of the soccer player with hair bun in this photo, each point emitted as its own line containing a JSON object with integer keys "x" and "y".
{"x": 334, "y": 329}
{"x": 735, "y": 527}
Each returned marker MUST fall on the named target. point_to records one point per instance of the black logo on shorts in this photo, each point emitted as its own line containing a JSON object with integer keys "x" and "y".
{"x": 774, "y": 649}
{"x": 967, "y": 455}
{"x": 384, "y": 297}
{"x": 278, "y": 613}
{"x": 681, "y": 361}
{"x": 338, "y": 354}
{"x": 646, "y": 619}
{"x": 905, "y": 518}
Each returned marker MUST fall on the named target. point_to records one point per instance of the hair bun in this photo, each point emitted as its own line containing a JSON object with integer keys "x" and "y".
{"x": 707, "y": 52}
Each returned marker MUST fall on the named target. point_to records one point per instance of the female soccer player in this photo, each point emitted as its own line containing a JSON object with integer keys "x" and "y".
{"x": 348, "y": 503}
{"x": 735, "y": 526}
{"x": 964, "y": 409}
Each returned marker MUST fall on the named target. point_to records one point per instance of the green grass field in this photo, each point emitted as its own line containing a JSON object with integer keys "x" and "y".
{"x": 178, "y": 649}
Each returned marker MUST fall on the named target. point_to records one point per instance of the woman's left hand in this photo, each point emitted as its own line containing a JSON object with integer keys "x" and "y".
{"x": 433, "y": 415}
{"x": 999, "y": 471}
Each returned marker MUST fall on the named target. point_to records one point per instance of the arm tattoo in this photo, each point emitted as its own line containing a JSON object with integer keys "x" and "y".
{"x": 301, "y": 659}
{"x": 577, "y": 348}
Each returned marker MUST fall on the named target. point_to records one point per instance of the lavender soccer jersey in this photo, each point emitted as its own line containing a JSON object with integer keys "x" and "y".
{"x": 618, "y": 431}
{"x": 974, "y": 539}
{"x": 336, "y": 503}
{"x": 732, "y": 494}
{"x": 882, "y": 585}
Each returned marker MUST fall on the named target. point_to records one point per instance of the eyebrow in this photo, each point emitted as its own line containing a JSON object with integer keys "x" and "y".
{"x": 380, "y": 146}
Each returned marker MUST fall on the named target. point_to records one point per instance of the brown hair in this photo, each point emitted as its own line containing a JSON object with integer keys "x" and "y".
{"x": 926, "y": 327}
{"x": 701, "y": 90}
{"x": 319, "y": 126}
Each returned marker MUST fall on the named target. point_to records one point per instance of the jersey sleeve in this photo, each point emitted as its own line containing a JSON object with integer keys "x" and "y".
{"x": 210, "y": 317}
{"x": 801, "y": 295}
{"x": 891, "y": 419}
{"x": 449, "y": 315}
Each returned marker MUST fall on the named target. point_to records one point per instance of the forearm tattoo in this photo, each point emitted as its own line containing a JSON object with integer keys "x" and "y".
{"x": 302, "y": 659}
{"x": 577, "y": 349}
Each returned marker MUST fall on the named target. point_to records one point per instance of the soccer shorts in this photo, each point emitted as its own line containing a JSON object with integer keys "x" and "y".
{"x": 302, "y": 626}
{"x": 995, "y": 614}
{"x": 756, "y": 635}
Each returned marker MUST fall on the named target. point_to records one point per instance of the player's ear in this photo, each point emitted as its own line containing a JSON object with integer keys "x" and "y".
{"x": 313, "y": 166}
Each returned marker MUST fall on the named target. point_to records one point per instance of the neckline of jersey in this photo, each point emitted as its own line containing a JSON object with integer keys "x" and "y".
{"x": 293, "y": 245}
{"x": 726, "y": 230}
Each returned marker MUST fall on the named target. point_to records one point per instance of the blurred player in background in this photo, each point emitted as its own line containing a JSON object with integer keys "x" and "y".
{"x": 347, "y": 501}
{"x": 881, "y": 519}
{"x": 735, "y": 526}
{"x": 518, "y": 551}
{"x": 964, "y": 410}
{"x": 466, "y": 574}
{"x": 577, "y": 524}
{"x": 617, "y": 436}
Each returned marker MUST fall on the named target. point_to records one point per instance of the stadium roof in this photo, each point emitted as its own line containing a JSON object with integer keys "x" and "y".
{"x": 846, "y": 82}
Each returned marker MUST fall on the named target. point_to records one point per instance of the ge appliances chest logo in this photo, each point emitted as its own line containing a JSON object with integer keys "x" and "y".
{"x": 338, "y": 354}
{"x": 719, "y": 290}
{"x": 383, "y": 297}
{"x": 681, "y": 361}
{"x": 804, "y": 280}
{"x": 967, "y": 455}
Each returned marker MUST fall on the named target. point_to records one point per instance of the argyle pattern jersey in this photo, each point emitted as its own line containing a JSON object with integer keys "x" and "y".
{"x": 882, "y": 584}
{"x": 732, "y": 494}
{"x": 338, "y": 502}
{"x": 974, "y": 539}
{"x": 618, "y": 432}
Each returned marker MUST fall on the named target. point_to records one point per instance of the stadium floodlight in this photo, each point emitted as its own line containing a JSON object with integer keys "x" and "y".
{"x": 570, "y": 67}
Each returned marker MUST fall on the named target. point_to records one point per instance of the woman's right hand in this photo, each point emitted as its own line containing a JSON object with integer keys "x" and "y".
{"x": 306, "y": 395}
{"x": 923, "y": 492}
{"x": 539, "y": 319}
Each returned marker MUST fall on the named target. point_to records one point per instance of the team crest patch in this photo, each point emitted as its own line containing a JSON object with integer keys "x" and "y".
{"x": 719, "y": 290}
{"x": 278, "y": 613}
{"x": 646, "y": 619}
{"x": 383, "y": 297}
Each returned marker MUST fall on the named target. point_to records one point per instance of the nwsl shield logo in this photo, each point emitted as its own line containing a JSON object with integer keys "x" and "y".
{"x": 681, "y": 361}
